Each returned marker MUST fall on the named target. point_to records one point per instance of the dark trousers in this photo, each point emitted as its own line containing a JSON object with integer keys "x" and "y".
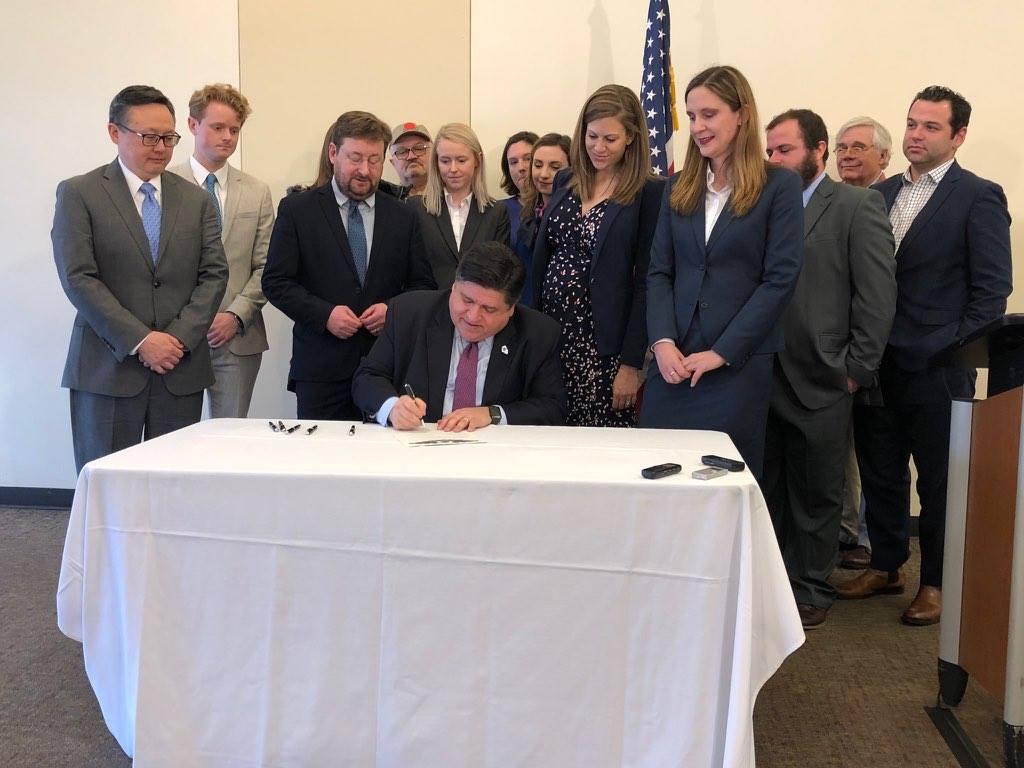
{"x": 325, "y": 400}
{"x": 804, "y": 469}
{"x": 101, "y": 424}
{"x": 914, "y": 422}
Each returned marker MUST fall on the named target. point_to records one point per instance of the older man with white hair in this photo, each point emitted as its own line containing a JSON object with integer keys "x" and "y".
{"x": 863, "y": 148}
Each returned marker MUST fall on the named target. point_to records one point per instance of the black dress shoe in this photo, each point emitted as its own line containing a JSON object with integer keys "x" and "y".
{"x": 811, "y": 616}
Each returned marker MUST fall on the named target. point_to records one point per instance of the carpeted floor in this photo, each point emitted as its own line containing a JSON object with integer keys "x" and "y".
{"x": 853, "y": 695}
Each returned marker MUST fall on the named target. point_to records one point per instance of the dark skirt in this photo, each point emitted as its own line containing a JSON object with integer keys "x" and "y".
{"x": 729, "y": 399}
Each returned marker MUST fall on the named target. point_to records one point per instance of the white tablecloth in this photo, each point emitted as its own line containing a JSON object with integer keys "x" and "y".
{"x": 246, "y": 598}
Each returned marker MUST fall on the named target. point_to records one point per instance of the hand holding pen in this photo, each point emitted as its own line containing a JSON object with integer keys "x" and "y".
{"x": 409, "y": 411}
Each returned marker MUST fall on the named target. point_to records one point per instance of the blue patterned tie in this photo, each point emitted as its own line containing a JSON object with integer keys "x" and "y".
{"x": 151, "y": 219}
{"x": 211, "y": 187}
{"x": 357, "y": 239}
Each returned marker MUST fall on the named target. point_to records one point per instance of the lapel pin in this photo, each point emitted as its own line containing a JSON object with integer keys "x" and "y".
{"x": 504, "y": 349}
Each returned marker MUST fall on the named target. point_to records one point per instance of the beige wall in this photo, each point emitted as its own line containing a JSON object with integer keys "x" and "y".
{"x": 839, "y": 59}
{"x": 303, "y": 66}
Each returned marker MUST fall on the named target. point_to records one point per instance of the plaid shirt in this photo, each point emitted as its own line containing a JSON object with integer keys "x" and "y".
{"x": 912, "y": 197}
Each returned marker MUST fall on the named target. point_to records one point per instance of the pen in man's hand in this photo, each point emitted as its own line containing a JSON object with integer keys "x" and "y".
{"x": 409, "y": 392}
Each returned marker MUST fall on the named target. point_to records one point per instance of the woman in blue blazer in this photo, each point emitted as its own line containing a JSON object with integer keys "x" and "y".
{"x": 726, "y": 255}
{"x": 590, "y": 258}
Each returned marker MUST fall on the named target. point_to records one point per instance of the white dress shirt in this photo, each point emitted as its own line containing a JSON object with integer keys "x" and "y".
{"x": 714, "y": 204}
{"x": 199, "y": 173}
{"x": 134, "y": 182}
{"x": 459, "y": 214}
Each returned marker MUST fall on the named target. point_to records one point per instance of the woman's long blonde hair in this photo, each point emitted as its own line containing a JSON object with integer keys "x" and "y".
{"x": 433, "y": 195}
{"x": 747, "y": 168}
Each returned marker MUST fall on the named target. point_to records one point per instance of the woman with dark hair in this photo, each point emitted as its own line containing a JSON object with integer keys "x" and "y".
{"x": 515, "y": 172}
{"x": 591, "y": 255}
{"x": 725, "y": 259}
{"x": 455, "y": 210}
{"x": 550, "y": 155}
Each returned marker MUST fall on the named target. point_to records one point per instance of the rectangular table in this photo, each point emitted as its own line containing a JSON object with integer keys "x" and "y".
{"x": 246, "y": 598}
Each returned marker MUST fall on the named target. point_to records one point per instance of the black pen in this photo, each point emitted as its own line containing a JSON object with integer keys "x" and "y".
{"x": 273, "y": 426}
{"x": 311, "y": 430}
{"x": 292, "y": 429}
{"x": 352, "y": 430}
{"x": 409, "y": 392}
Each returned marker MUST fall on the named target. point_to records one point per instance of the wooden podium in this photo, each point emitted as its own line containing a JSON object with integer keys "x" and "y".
{"x": 982, "y": 628}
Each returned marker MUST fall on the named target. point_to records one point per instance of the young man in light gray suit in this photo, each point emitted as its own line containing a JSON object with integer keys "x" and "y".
{"x": 139, "y": 255}
{"x": 835, "y": 331}
{"x": 237, "y": 336}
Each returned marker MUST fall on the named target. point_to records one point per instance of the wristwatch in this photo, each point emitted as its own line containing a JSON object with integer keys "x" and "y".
{"x": 495, "y": 414}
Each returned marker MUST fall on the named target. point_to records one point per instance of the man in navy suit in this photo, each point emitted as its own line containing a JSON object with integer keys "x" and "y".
{"x": 338, "y": 254}
{"x": 953, "y": 274}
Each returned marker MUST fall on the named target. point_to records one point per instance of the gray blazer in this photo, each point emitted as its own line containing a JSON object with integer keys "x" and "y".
{"x": 103, "y": 261}
{"x": 248, "y": 222}
{"x": 839, "y": 319}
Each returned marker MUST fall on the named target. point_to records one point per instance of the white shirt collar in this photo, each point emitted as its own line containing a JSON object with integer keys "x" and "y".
{"x": 464, "y": 204}
{"x": 711, "y": 180}
{"x": 134, "y": 182}
{"x": 371, "y": 201}
{"x": 199, "y": 172}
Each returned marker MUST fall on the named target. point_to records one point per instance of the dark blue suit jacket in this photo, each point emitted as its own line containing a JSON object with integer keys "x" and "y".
{"x": 310, "y": 270}
{"x": 953, "y": 268}
{"x": 617, "y": 270}
{"x": 739, "y": 283}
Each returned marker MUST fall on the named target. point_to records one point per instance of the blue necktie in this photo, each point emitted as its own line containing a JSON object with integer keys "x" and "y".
{"x": 211, "y": 187}
{"x": 151, "y": 219}
{"x": 357, "y": 239}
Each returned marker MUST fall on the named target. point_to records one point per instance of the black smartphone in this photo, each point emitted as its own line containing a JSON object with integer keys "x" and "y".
{"x": 660, "y": 470}
{"x": 720, "y": 461}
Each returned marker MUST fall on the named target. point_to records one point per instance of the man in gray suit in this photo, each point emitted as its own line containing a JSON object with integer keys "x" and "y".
{"x": 835, "y": 329}
{"x": 237, "y": 336}
{"x": 139, "y": 255}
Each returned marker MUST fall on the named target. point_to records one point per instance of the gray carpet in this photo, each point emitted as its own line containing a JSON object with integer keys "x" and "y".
{"x": 854, "y": 695}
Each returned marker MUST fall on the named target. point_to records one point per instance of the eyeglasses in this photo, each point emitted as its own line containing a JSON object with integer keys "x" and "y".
{"x": 152, "y": 139}
{"x": 852, "y": 149}
{"x": 417, "y": 150}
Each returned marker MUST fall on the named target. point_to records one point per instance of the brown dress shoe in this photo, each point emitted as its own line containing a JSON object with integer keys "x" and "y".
{"x": 856, "y": 559}
{"x": 926, "y": 608}
{"x": 811, "y": 616}
{"x": 872, "y": 582}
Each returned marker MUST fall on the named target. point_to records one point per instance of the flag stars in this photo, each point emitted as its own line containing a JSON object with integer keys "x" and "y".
{"x": 654, "y": 133}
{"x": 655, "y": 152}
{"x": 651, "y": 114}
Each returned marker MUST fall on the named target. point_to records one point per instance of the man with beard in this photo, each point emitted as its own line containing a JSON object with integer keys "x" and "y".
{"x": 338, "y": 253}
{"x": 410, "y": 147}
{"x": 835, "y": 330}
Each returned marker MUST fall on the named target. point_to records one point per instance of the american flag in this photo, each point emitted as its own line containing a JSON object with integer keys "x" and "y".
{"x": 658, "y": 89}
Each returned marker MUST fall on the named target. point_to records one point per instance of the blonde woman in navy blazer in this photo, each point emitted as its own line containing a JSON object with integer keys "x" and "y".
{"x": 726, "y": 255}
{"x": 590, "y": 258}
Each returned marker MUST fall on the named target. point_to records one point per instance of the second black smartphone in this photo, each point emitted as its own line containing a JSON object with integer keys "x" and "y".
{"x": 720, "y": 461}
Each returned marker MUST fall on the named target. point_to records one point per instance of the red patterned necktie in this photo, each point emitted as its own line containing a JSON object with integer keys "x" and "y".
{"x": 465, "y": 378}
